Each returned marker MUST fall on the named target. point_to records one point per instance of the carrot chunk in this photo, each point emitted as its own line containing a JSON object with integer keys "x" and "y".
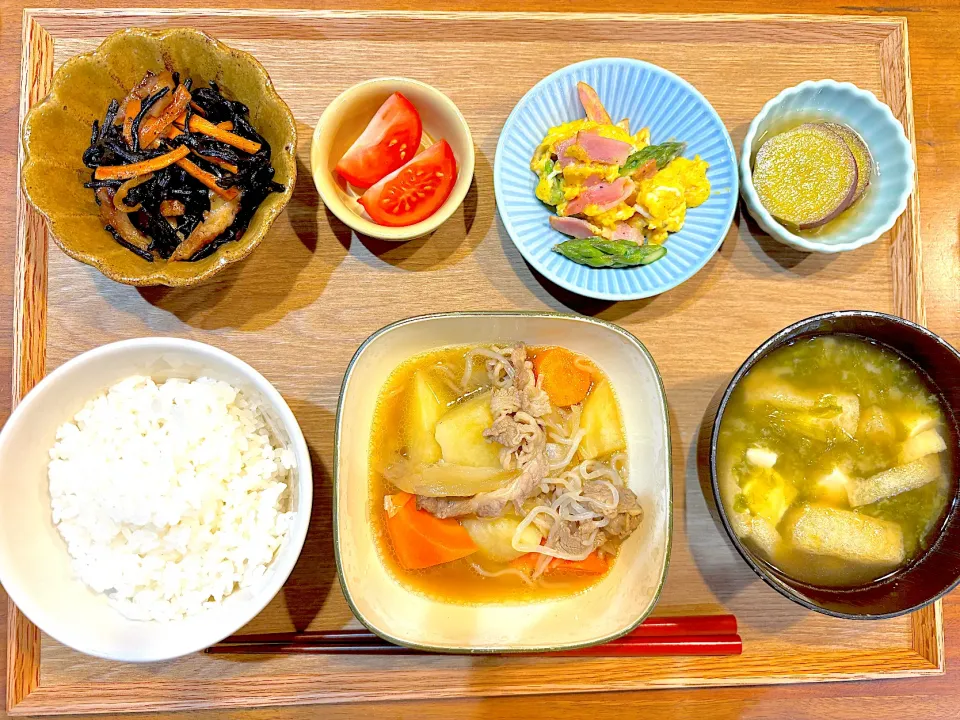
{"x": 565, "y": 381}
{"x": 593, "y": 564}
{"x": 420, "y": 540}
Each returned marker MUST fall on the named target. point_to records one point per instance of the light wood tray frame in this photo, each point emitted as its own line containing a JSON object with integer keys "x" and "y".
{"x": 784, "y": 644}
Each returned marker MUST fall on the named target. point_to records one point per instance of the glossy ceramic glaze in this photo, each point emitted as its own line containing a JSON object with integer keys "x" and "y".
{"x": 345, "y": 119}
{"x": 57, "y": 131}
{"x": 34, "y": 565}
{"x": 650, "y": 97}
{"x": 936, "y": 571}
{"x": 892, "y": 182}
{"x": 604, "y": 611}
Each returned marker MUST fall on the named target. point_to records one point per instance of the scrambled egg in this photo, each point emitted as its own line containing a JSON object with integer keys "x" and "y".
{"x": 660, "y": 204}
{"x": 665, "y": 197}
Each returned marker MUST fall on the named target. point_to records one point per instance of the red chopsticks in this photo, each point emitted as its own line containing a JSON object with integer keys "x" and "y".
{"x": 681, "y": 635}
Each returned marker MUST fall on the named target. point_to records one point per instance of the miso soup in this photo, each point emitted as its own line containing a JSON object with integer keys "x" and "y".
{"x": 835, "y": 461}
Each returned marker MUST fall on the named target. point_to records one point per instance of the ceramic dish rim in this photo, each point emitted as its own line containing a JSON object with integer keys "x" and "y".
{"x": 367, "y": 227}
{"x": 21, "y": 596}
{"x": 600, "y": 294}
{"x": 780, "y": 232}
{"x": 663, "y": 417}
{"x": 762, "y": 351}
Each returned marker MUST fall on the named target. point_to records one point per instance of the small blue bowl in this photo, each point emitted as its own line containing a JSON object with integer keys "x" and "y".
{"x": 651, "y": 97}
{"x": 892, "y": 180}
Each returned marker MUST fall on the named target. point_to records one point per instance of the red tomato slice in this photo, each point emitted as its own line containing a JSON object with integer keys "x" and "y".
{"x": 390, "y": 139}
{"x": 415, "y": 191}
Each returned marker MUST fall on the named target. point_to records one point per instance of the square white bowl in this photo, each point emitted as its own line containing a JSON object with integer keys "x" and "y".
{"x": 607, "y": 610}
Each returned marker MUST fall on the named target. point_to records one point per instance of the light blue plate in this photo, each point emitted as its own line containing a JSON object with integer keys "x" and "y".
{"x": 651, "y": 97}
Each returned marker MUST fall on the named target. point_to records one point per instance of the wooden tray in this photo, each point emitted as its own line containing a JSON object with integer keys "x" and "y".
{"x": 300, "y": 306}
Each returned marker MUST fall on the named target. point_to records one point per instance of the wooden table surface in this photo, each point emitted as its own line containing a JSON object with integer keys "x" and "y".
{"x": 934, "y": 34}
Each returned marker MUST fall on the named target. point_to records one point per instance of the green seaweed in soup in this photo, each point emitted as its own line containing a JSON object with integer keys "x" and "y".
{"x": 835, "y": 461}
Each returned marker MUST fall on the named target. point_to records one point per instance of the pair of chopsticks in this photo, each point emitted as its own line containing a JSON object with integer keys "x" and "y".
{"x": 681, "y": 635}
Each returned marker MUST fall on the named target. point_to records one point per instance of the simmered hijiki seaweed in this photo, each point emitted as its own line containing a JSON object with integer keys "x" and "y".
{"x": 178, "y": 172}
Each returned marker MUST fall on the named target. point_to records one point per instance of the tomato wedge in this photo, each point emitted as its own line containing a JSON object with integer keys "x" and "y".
{"x": 415, "y": 191}
{"x": 390, "y": 139}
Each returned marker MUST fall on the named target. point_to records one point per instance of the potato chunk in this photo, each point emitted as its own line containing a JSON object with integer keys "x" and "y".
{"x": 863, "y": 491}
{"x": 460, "y": 434}
{"x": 428, "y": 403}
{"x": 601, "y": 420}
{"x": 847, "y": 535}
{"x": 494, "y": 536}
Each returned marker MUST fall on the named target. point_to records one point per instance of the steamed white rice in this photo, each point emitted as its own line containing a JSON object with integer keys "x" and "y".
{"x": 169, "y": 497}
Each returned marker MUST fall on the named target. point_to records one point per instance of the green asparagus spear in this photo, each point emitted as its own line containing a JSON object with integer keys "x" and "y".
{"x": 550, "y": 190}
{"x": 663, "y": 153}
{"x": 600, "y": 253}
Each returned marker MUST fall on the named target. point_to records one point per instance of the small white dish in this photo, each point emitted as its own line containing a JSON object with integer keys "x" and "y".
{"x": 35, "y": 568}
{"x": 605, "y": 611}
{"x": 894, "y": 167}
{"x": 347, "y": 116}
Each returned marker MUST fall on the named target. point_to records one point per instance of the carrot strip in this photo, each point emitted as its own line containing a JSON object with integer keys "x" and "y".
{"x": 206, "y": 178}
{"x": 197, "y": 108}
{"x": 202, "y": 125}
{"x": 173, "y": 131}
{"x": 225, "y": 125}
{"x": 420, "y": 540}
{"x": 124, "y": 172}
{"x": 155, "y": 126}
{"x": 561, "y": 376}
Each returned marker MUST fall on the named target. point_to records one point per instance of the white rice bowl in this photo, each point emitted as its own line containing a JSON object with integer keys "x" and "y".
{"x": 169, "y": 497}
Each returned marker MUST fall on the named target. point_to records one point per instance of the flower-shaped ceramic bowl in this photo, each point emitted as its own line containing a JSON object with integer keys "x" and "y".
{"x": 650, "y": 97}
{"x": 57, "y": 131}
{"x": 890, "y": 185}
